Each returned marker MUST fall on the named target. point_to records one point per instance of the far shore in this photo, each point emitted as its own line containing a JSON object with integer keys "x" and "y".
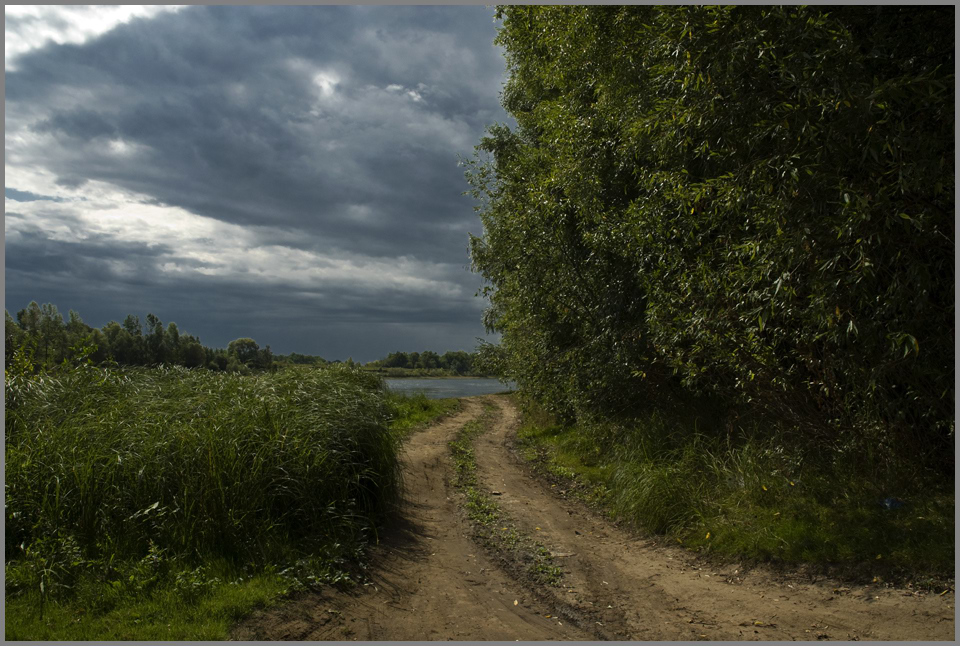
{"x": 385, "y": 376}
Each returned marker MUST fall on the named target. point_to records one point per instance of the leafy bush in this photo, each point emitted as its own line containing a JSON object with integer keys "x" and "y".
{"x": 750, "y": 203}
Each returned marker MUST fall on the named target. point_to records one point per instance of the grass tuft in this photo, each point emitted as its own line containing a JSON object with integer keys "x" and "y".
{"x": 413, "y": 411}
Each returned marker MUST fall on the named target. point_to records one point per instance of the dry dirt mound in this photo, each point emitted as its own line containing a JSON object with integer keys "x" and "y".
{"x": 430, "y": 581}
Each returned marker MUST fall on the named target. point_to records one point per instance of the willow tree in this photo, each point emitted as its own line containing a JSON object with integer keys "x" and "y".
{"x": 753, "y": 202}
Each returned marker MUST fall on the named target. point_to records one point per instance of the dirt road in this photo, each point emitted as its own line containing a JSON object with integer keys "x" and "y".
{"x": 430, "y": 581}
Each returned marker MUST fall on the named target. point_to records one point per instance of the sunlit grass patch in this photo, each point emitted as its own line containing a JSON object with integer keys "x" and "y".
{"x": 167, "y": 613}
{"x": 413, "y": 411}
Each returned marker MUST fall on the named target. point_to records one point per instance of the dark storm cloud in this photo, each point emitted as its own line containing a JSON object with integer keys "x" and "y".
{"x": 333, "y": 130}
{"x": 223, "y": 117}
{"x": 105, "y": 279}
{"x": 32, "y": 257}
{"x": 81, "y": 124}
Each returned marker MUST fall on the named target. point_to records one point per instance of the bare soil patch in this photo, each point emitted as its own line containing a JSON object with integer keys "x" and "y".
{"x": 430, "y": 581}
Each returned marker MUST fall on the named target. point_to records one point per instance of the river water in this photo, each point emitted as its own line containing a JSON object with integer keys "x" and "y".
{"x": 442, "y": 388}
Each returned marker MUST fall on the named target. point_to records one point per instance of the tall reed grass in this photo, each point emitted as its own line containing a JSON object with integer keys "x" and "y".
{"x": 110, "y": 465}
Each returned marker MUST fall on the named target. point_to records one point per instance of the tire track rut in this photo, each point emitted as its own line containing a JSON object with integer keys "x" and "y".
{"x": 431, "y": 581}
{"x": 641, "y": 591}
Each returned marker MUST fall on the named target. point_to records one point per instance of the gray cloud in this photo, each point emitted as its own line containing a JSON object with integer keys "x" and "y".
{"x": 331, "y": 130}
{"x": 104, "y": 279}
{"x": 27, "y": 196}
{"x": 222, "y": 117}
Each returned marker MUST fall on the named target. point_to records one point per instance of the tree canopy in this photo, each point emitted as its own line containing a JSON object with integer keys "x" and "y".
{"x": 40, "y": 335}
{"x": 754, "y": 203}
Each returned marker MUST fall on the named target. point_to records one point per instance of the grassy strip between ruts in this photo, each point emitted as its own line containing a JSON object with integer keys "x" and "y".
{"x": 491, "y": 524}
{"x": 746, "y": 499}
{"x": 87, "y": 452}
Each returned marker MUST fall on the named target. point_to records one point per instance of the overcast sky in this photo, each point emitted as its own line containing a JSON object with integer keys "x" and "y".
{"x": 285, "y": 173}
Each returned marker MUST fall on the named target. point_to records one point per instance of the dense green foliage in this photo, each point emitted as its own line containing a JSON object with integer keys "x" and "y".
{"x": 136, "y": 475}
{"x": 748, "y": 206}
{"x": 167, "y": 503}
{"x": 193, "y": 461}
{"x": 40, "y": 334}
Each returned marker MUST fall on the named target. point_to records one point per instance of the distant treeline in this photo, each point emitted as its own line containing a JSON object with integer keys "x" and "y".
{"x": 41, "y": 336}
{"x": 455, "y": 363}
{"x": 295, "y": 358}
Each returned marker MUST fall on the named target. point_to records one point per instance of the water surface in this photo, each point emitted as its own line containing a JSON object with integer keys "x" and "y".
{"x": 451, "y": 387}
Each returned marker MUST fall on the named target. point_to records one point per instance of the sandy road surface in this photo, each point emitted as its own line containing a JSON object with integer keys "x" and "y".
{"x": 430, "y": 581}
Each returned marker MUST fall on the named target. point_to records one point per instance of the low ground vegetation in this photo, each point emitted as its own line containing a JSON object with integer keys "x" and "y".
{"x": 413, "y": 411}
{"x": 746, "y": 496}
{"x": 164, "y": 503}
{"x": 491, "y": 524}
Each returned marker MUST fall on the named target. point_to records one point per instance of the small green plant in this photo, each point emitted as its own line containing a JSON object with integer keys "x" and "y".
{"x": 47, "y": 566}
{"x": 191, "y": 584}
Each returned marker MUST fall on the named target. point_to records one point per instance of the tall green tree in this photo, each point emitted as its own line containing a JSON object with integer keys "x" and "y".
{"x": 245, "y": 350}
{"x": 132, "y": 325}
{"x": 396, "y": 360}
{"x": 459, "y": 362}
{"x": 171, "y": 343}
{"x": 154, "y": 340}
{"x": 52, "y": 334}
{"x": 29, "y": 318}
{"x": 751, "y": 202}
{"x": 192, "y": 354}
{"x": 429, "y": 360}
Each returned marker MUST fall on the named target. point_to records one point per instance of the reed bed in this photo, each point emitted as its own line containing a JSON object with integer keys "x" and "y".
{"x": 106, "y": 466}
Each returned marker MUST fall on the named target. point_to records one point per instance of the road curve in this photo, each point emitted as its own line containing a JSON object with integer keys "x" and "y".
{"x": 430, "y": 581}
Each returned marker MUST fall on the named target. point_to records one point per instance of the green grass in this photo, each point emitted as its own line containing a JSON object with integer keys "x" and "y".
{"x": 167, "y": 613}
{"x": 166, "y": 503}
{"x": 491, "y": 524}
{"x": 410, "y": 412}
{"x": 750, "y": 496}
